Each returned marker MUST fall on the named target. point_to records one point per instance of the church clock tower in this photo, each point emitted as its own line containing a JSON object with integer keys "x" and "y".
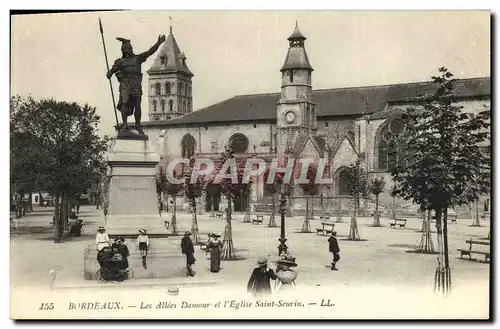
{"x": 296, "y": 112}
{"x": 170, "y": 83}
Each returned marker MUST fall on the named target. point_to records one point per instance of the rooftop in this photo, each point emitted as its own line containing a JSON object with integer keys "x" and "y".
{"x": 352, "y": 101}
{"x": 170, "y": 59}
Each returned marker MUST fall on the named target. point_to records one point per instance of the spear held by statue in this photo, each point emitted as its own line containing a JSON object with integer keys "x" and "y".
{"x": 107, "y": 67}
{"x": 127, "y": 69}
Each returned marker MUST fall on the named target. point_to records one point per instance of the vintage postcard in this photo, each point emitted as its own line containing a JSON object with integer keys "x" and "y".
{"x": 250, "y": 165}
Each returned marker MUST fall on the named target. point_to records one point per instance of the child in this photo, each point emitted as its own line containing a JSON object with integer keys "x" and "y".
{"x": 334, "y": 249}
{"x": 101, "y": 241}
{"x": 143, "y": 246}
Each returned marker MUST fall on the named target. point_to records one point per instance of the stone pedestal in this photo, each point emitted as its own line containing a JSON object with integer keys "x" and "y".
{"x": 132, "y": 189}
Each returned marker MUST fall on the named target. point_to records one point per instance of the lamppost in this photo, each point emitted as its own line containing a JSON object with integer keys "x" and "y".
{"x": 282, "y": 248}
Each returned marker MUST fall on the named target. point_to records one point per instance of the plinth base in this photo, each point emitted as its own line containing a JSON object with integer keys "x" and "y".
{"x": 128, "y": 225}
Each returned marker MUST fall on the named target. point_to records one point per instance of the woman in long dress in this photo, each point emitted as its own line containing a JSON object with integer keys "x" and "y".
{"x": 215, "y": 248}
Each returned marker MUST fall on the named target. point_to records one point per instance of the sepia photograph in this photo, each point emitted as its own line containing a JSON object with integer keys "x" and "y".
{"x": 272, "y": 164}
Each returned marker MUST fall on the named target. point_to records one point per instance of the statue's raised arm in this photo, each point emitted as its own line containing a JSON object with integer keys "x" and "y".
{"x": 129, "y": 74}
{"x": 144, "y": 56}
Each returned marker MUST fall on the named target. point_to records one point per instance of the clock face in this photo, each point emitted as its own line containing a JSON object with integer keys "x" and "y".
{"x": 289, "y": 117}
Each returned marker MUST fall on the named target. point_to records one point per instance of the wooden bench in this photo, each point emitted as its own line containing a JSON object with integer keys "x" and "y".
{"x": 258, "y": 220}
{"x": 219, "y": 214}
{"x": 326, "y": 228}
{"x": 325, "y": 216}
{"x": 469, "y": 251}
{"x": 398, "y": 222}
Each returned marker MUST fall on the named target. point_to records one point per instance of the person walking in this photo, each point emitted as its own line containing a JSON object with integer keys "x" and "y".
{"x": 259, "y": 284}
{"x": 187, "y": 249}
{"x": 143, "y": 246}
{"x": 215, "y": 248}
{"x": 334, "y": 249}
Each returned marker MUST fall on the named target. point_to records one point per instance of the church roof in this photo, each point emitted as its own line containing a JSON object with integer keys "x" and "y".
{"x": 352, "y": 101}
{"x": 296, "y": 57}
{"x": 296, "y": 35}
{"x": 170, "y": 59}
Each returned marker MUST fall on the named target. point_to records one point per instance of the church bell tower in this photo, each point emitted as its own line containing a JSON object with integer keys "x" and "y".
{"x": 296, "y": 112}
{"x": 170, "y": 85}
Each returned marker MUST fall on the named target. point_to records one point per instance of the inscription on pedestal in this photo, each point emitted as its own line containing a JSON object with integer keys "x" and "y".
{"x": 124, "y": 189}
{"x": 132, "y": 195}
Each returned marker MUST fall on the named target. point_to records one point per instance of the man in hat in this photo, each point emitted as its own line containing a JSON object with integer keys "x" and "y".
{"x": 129, "y": 75}
{"x": 187, "y": 249}
{"x": 259, "y": 284}
{"x": 101, "y": 241}
{"x": 334, "y": 249}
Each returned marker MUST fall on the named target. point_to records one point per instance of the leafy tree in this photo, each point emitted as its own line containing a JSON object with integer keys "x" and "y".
{"x": 357, "y": 187}
{"x": 231, "y": 190}
{"x": 310, "y": 188}
{"x": 69, "y": 153}
{"x": 273, "y": 188}
{"x": 161, "y": 184}
{"x": 376, "y": 187}
{"x": 192, "y": 191}
{"x": 173, "y": 189}
{"x": 445, "y": 162}
{"x": 27, "y": 173}
{"x": 393, "y": 194}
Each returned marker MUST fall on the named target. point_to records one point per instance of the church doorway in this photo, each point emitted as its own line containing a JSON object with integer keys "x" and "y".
{"x": 212, "y": 197}
{"x": 240, "y": 203}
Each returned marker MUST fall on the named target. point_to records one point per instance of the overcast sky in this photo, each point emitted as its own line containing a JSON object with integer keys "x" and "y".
{"x": 241, "y": 52}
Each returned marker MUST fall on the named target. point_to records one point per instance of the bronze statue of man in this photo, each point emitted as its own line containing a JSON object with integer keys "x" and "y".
{"x": 129, "y": 75}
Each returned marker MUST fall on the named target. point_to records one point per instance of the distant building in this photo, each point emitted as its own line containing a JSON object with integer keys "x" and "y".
{"x": 341, "y": 124}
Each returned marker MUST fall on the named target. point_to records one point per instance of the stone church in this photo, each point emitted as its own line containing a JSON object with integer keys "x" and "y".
{"x": 340, "y": 124}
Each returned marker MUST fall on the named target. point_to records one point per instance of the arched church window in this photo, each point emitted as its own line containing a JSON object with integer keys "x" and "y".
{"x": 291, "y": 75}
{"x": 239, "y": 143}
{"x": 391, "y": 143}
{"x": 343, "y": 182}
{"x": 158, "y": 88}
{"x": 162, "y": 102}
{"x": 167, "y": 88}
{"x": 188, "y": 145}
{"x": 171, "y": 105}
{"x": 154, "y": 106}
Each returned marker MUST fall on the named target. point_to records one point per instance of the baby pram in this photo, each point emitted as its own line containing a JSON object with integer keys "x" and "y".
{"x": 112, "y": 266}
